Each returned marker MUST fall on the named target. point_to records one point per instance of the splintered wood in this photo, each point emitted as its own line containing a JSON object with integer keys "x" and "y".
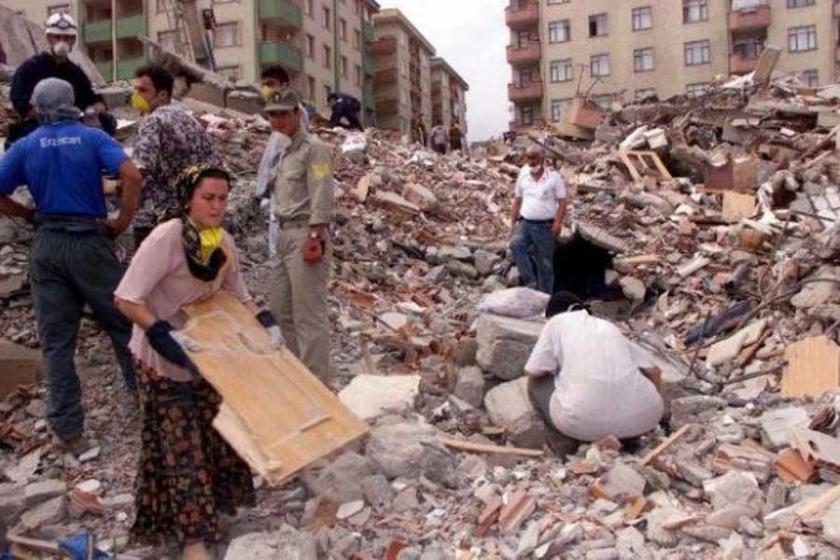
{"x": 813, "y": 368}
{"x": 275, "y": 413}
{"x": 640, "y": 164}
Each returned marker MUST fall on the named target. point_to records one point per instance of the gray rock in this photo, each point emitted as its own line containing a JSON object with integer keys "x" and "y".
{"x": 733, "y": 495}
{"x": 378, "y": 492}
{"x": 509, "y": 407}
{"x": 504, "y": 344}
{"x": 685, "y": 410}
{"x": 831, "y": 524}
{"x": 39, "y": 492}
{"x": 630, "y": 544}
{"x": 286, "y": 543}
{"x": 485, "y": 261}
{"x": 623, "y": 481}
{"x": 459, "y": 268}
{"x": 341, "y": 480}
{"x": 776, "y": 424}
{"x": 818, "y": 293}
{"x": 410, "y": 449}
{"x": 469, "y": 386}
{"x": 11, "y": 508}
{"x": 51, "y": 512}
{"x": 460, "y": 253}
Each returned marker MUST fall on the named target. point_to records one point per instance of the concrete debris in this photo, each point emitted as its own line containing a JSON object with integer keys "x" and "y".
{"x": 714, "y": 250}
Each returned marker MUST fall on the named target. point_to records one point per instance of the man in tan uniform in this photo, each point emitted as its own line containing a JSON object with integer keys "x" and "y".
{"x": 304, "y": 199}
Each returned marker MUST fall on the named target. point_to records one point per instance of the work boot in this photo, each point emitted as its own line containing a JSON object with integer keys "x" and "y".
{"x": 76, "y": 446}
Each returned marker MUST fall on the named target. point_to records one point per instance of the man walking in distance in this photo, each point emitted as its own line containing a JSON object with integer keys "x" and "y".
{"x": 72, "y": 258}
{"x": 537, "y": 215}
{"x": 304, "y": 201}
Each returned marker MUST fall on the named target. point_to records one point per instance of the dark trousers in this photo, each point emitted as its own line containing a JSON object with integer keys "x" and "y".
{"x": 352, "y": 118}
{"x": 540, "y": 390}
{"x": 533, "y": 246}
{"x": 72, "y": 266}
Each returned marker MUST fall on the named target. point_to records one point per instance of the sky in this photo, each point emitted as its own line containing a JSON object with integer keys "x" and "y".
{"x": 471, "y": 35}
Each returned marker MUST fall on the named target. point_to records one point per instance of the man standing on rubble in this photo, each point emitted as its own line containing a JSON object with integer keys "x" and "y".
{"x": 60, "y": 30}
{"x": 304, "y": 201}
{"x": 588, "y": 381}
{"x": 274, "y": 78}
{"x": 168, "y": 141}
{"x": 345, "y": 107}
{"x": 438, "y": 137}
{"x": 72, "y": 258}
{"x": 537, "y": 216}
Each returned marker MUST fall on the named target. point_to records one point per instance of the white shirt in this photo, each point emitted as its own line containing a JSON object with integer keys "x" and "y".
{"x": 539, "y": 196}
{"x": 599, "y": 389}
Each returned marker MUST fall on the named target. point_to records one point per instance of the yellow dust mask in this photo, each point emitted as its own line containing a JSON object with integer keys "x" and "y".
{"x": 211, "y": 239}
{"x": 139, "y": 102}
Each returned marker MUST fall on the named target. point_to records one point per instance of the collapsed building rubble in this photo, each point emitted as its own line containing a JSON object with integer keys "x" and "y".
{"x": 706, "y": 228}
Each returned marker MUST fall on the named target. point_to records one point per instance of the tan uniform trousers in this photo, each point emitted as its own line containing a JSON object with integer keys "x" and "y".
{"x": 299, "y": 301}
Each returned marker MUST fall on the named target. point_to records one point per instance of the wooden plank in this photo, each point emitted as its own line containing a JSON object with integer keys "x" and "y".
{"x": 657, "y": 451}
{"x": 813, "y": 368}
{"x": 625, "y": 157}
{"x": 487, "y": 448}
{"x": 737, "y": 206}
{"x": 276, "y": 413}
{"x": 818, "y": 504}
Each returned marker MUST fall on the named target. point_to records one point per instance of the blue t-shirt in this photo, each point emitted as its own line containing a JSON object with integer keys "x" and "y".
{"x": 62, "y": 165}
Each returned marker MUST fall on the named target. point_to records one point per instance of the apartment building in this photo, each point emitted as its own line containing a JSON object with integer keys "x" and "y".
{"x": 403, "y": 81}
{"x": 323, "y": 43}
{"x": 449, "y": 92}
{"x": 638, "y": 48}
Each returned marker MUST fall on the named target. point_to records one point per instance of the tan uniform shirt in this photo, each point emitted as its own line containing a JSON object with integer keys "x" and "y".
{"x": 304, "y": 186}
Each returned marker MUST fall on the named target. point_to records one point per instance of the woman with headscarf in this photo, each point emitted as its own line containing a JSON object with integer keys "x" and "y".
{"x": 188, "y": 474}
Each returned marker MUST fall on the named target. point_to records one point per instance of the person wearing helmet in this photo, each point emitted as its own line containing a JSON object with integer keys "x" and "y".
{"x": 61, "y": 33}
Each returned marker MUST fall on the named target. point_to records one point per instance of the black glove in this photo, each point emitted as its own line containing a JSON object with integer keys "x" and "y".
{"x": 266, "y": 319}
{"x": 275, "y": 335}
{"x": 161, "y": 340}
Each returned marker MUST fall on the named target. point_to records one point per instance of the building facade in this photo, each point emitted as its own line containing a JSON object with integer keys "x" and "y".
{"x": 449, "y": 91}
{"x": 403, "y": 82}
{"x": 322, "y": 43}
{"x": 634, "y": 49}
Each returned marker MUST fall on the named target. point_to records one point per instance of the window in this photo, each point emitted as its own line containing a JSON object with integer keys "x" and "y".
{"x": 327, "y": 92}
{"x": 696, "y": 90}
{"x": 698, "y": 52}
{"x": 357, "y": 74}
{"x": 644, "y": 93}
{"x": 310, "y": 82}
{"x": 810, "y": 77}
{"x": 527, "y": 114}
{"x": 558, "y": 109}
{"x": 553, "y": 2}
{"x": 226, "y": 35}
{"x": 643, "y": 60}
{"x": 799, "y": 3}
{"x": 562, "y": 70}
{"x": 345, "y": 68}
{"x": 326, "y": 17}
{"x": 357, "y": 39}
{"x": 167, "y": 39}
{"x": 598, "y": 25}
{"x": 604, "y": 101}
{"x": 747, "y": 4}
{"x": 327, "y": 57}
{"x": 559, "y": 31}
{"x": 802, "y": 38}
{"x": 599, "y": 65}
{"x": 695, "y": 10}
{"x": 310, "y": 10}
{"x": 342, "y": 29}
{"x": 642, "y": 18}
{"x": 748, "y": 47}
{"x": 58, "y": 9}
{"x": 233, "y": 72}
{"x": 310, "y": 46}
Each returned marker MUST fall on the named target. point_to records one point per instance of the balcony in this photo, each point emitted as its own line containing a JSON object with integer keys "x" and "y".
{"x": 367, "y": 32}
{"x": 524, "y": 55}
{"x": 749, "y": 19}
{"x": 127, "y": 67}
{"x": 516, "y": 126}
{"x": 522, "y": 15}
{"x": 284, "y": 12}
{"x": 739, "y": 64}
{"x": 384, "y": 46}
{"x": 526, "y": 91}
{"x": 97, "y": 31}
{"x": 386, "y": 76}
{"x": 130, "y": 27}
{"x": 368, "y": 67}
{"x": 281, "y": 53}
{"x": 388, "y": 105}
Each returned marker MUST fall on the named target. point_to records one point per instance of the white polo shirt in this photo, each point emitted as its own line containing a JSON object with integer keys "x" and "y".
{"x": 599, "y": 389}
{"x": 539, "y": 197}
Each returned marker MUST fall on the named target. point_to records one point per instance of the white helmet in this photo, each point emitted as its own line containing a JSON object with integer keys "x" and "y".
{"x": 60, "y": 24}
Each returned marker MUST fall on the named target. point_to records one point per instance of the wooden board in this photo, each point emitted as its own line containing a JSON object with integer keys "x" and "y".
{"x": 276, "y": 414}
{"x": 813, "y": 368}
{"x": 647, "y": 161}
{"x": 737, "y": 206}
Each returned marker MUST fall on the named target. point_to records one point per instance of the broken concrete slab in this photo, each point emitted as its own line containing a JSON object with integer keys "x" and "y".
{"x": 504, "y": 344}
{"x": 410, "y": 449}
{"x": 729, "y": 348}
{"x": 622, "y": 482}
{"x": 50, "y": 512}
{"x": 39, "y": 492}
{"x": 470, "y": 386}
{"x": 285, "y": 542}
{"x": 778, "y": 424}
{"x": 369, "y": 396}
{"x": 18, "y": 366}
{"x": 341, "y": 479}
{"x": 509, "y": 407}
{"x": 420, "y": 196}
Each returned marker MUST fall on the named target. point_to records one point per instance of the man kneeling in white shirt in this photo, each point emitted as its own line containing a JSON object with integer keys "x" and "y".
{"x": 588, "y": 381}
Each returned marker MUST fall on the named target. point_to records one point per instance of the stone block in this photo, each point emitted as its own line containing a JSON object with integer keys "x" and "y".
{"x": 39, "y": 492}
{"x": 469, "y": 386}
{"x": 504, "y": 344}
{"x": 410, "y": 450}
{"x": 18, "y": 366}
{"x": 509, "y": 407}
{"x": 285, "y": 542}
{"x": 51, "y": 512}
{"x": 369, "y": 396}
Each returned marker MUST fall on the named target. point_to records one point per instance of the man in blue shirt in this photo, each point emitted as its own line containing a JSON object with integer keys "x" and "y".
{"x": 72, "y": 259}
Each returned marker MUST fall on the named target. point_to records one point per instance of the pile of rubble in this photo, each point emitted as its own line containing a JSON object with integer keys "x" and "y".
{"x": 709, "y": 228}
